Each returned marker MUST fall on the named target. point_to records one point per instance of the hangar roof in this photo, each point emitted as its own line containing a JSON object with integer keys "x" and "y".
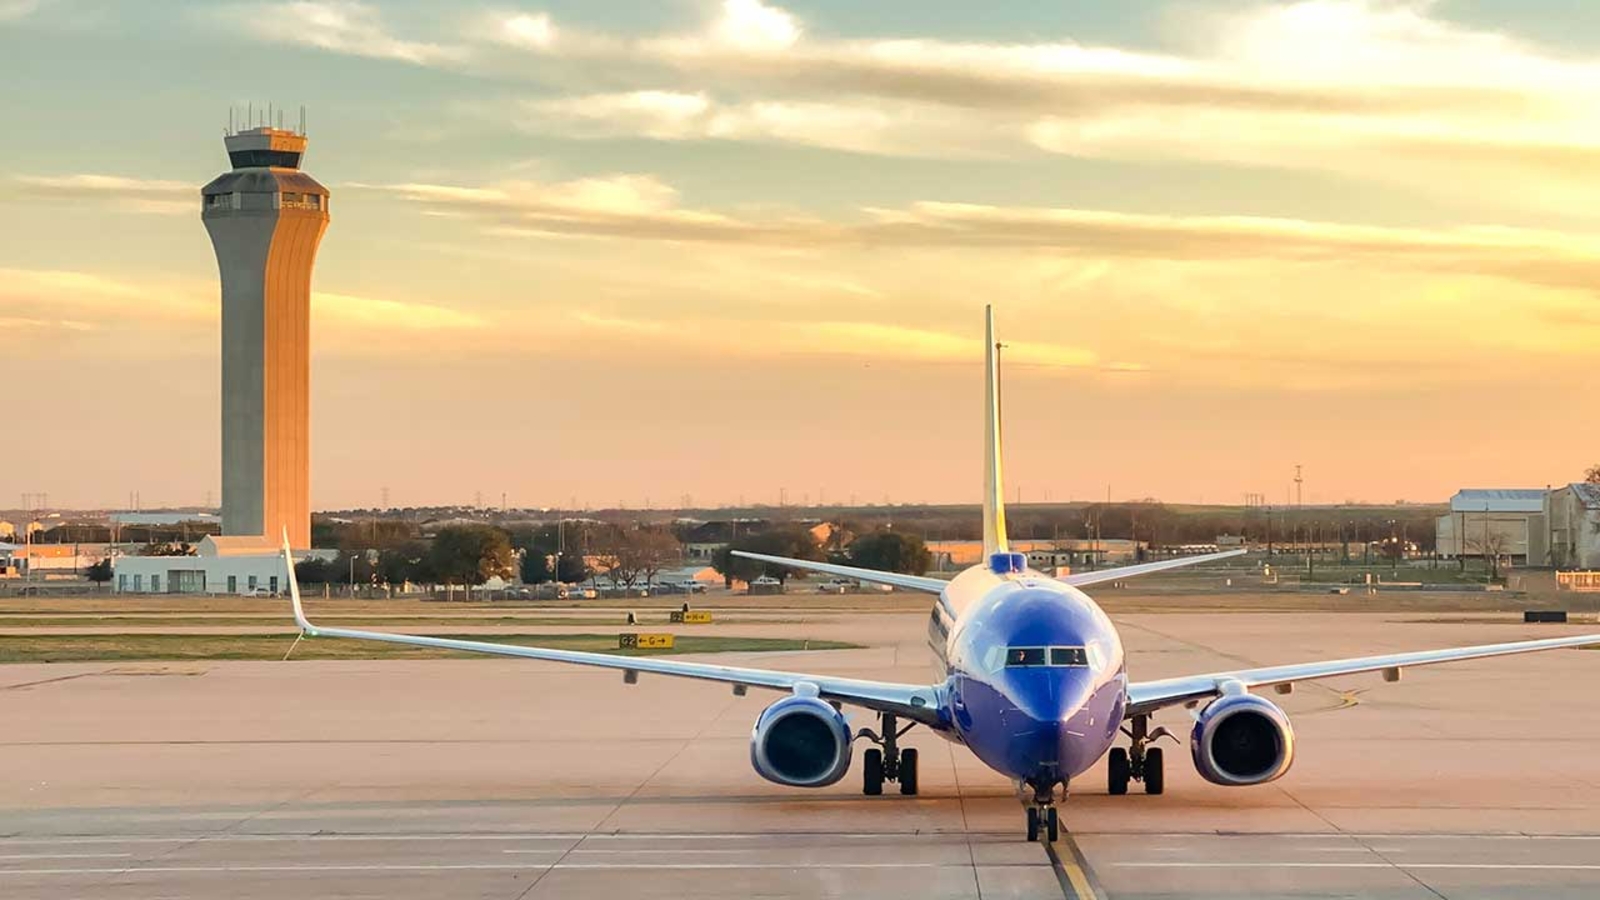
{"x": 1588, "y": 494}
{"x": 1498, "y": 500}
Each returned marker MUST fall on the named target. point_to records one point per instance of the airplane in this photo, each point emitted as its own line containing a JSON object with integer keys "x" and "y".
{"x": 1031, "y": 677}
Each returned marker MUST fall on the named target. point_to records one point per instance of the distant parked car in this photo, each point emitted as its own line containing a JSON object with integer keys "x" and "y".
{"x": 836, "y": 586}
{"x": 766, "y": 584}
{"x": 261, "y": 592}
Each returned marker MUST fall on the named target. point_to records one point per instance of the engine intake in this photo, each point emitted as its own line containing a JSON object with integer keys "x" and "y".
{"x": 1242, "y": 739}
{"x": 801, "y": 742}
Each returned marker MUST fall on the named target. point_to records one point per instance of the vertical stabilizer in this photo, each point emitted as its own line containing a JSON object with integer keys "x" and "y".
{"x": 994, "y": 507}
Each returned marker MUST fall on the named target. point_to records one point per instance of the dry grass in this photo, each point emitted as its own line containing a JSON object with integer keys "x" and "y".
{"x": 124, "y": 648}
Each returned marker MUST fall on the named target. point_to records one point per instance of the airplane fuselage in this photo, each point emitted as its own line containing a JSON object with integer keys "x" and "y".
{"x": 1034, "y": 672}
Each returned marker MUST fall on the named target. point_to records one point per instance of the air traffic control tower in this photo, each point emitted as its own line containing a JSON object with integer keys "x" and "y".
{"x": 266, "y": 218}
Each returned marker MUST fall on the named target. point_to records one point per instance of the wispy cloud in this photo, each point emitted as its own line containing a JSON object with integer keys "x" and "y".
{"x": 641, "y": 207}
{"x": 859, "y": 339}
{"x": 903, "y": 129}
{"x": 11, "y": 10}
{"x": 340, "y": 26}
{"x": 85, "y": 301}
{"x": 1384, "y": 90}
{"x": 150, "y": 195}
{"x": 366, "y": 314}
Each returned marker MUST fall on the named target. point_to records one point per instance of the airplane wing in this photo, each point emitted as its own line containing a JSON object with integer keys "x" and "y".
{"x": 909, "y": 582}
{"x": 1148, "y": 696}
{"x": 1080, "y": 579}
{"x": 918, "y": 703}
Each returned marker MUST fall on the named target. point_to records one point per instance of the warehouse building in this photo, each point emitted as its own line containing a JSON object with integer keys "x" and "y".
{"x": 1506, "y": 523}
{"x": 1573, "y": 514}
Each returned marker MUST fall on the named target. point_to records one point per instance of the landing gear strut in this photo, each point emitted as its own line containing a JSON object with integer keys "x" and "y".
{"x": 1140, "y": 761}
{"x": 890, "y": 763}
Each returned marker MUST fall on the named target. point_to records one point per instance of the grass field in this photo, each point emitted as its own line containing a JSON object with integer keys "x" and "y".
{"x": 90, "y": 620}
{"x": 125, "y": 648}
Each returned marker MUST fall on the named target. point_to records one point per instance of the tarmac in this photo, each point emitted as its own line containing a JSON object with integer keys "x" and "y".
{"x": 512, "y": 779}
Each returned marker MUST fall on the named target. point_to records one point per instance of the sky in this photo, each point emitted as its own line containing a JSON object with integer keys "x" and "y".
{"x": 600, "y": 254}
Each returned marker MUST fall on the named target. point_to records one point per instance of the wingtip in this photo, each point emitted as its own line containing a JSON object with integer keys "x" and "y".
{"x": 306, "y": 627}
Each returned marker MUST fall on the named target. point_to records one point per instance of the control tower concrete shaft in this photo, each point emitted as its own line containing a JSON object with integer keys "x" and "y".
{"x": 266, "y": 218}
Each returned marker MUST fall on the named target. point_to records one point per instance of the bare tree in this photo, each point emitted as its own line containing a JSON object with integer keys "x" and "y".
{"x": 657, "y": 549}
{"x": 629, "y": 555}
{"x": 1592, "y": 475}
{"x": 1492, "y": 546}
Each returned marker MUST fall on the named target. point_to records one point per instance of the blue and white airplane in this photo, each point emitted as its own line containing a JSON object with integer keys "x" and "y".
{"x": 1031, "y": 677}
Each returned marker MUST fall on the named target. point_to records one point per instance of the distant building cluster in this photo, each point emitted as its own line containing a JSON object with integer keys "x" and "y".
{"x": 1557, "y": 527}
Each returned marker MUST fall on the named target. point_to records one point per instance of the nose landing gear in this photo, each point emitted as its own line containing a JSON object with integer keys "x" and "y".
{"x": 890, "y": 763}
{"x": 1042, "y": 813}
{"x": 1140, "y": 761}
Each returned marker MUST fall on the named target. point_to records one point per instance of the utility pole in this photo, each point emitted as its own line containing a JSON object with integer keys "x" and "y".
{"x": 1299, "y": 493}
{"x": 1269, "y": 534}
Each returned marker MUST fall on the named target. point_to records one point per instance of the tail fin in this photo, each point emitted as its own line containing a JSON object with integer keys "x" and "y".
{"x": 994, "y": 504}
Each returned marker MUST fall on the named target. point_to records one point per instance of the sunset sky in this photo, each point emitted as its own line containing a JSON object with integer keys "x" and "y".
{"x": 606, "y": 253}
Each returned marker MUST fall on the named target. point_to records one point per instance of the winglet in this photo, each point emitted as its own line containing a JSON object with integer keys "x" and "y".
{"x": 994, "y": 504}
{"x": 306, "y": 628}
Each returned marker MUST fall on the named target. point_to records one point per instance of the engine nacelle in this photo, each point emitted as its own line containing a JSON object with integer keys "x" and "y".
{"x": 801, "y": 741}
{"x": 1242, "y": 739}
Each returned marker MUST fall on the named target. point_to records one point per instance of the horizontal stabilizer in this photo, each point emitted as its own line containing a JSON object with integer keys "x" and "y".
{"x": 909, "y": 582}
{"x": 1101, "y": 576}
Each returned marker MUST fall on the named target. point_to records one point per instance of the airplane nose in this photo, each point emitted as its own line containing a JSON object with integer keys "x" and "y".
{"x": 1050, "y": 695}
{"x": 1056, "y": 719}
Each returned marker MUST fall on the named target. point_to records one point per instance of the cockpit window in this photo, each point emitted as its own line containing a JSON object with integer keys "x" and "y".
{"x": 1025, "y": 656}
{"x": 1068, "y": 656}
{"x": 1021, "y": 657}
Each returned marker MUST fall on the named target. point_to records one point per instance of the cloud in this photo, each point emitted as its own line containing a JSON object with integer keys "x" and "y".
{"x": 1374, "y": 90}
{"x": 524, "y": 30}
{"x": 1387, "y": 91}
{"x": 642, "y": 207}
{"x": 845, "y": 338}
{"x": 84, "y": 301}
{"x": 905, "y": 129}
{"x": 638, "y": 206}
{"x": 138, "y": 194}
{"x": 389, "y": 315}
{"x": 340, "y": 26}
{"x": 16, "y": 323}
{"x": 751, "y": 25}
{"x": 12, "y": 10}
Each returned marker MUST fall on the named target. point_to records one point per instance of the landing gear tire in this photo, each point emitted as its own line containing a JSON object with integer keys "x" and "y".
{"x": 1033, "y": 824}
{"x": 908, "y": 772}
{"x": 1155, "y": 779}
{"x": 1118, "y": 772}
{"x": 1052, "y": 828}
{"x": 872, "y": 772}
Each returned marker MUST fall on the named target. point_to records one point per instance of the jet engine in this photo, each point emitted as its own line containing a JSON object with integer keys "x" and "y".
{"x": 801, "y": 741}
{"x": 1241, "y": 739}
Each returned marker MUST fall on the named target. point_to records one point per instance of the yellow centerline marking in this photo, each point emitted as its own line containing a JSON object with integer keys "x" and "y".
{"x": 1071, "y": 872}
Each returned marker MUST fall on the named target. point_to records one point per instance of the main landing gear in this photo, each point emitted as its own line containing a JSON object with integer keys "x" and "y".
{"x": 1140, "y": 761}
{"x": 890, "y": 763}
